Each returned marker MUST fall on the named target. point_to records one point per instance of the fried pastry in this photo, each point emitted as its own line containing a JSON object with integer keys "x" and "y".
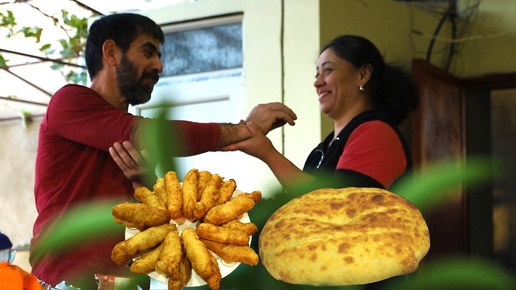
{"x": 226, "y": 191}
{"x": 190, "y": 195}
{"x": 233, "y": 253}
{"x": 170, "y": 257}
{"x": 203, "y": 262}
{"x": 124, "y": 251}
{"x": 185, "y": 274}
{"x": 146, "y": 196}
{"x": 147, "y": 261}
{"x": 160, "y": 190}
{"x": 215, "y": 277}
{"x": 204, "y": 177}
{"x": 174, "y": 195}
{"x": 222, "y": 234}
{"x": 208, "y": 197}
{"x": 230, "y": 210}
{"x": 139, "y": 215}
{"x": 256, "y": 195}
{"x": 249, "y": 228}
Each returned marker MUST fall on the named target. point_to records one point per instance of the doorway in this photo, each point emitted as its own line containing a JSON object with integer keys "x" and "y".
{"x": 491, "y": 104}
{"x": 459, "y": 118}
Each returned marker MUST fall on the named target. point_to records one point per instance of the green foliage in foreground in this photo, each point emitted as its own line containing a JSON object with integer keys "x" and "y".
{"x": 457, "y": 273}
{"x": 426, "y": 190}
{"x": 88, "y": 222}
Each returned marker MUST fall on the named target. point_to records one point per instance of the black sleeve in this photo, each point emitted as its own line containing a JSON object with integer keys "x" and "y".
{"x": 341, "y": 178}
{"x": 350, "y": 178}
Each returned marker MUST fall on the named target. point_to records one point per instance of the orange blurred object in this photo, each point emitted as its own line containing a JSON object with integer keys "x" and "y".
{"x": 13, "y": 277}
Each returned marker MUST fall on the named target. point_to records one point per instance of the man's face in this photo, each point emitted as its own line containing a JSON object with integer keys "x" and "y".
{"x": 136, "y": 88}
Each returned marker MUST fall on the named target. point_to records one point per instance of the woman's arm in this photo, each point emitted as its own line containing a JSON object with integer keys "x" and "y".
{"x": 259, "y": 146}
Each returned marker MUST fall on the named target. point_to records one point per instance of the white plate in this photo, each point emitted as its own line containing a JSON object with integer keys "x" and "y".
{"x": 196, "y": 280}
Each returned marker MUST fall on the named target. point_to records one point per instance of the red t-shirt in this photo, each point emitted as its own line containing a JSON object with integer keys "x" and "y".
{"x": 73, "y": 166}
{"x": 375, "y": 150}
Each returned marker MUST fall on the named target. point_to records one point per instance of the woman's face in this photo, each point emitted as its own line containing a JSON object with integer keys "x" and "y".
{"x": 337, "y": 84}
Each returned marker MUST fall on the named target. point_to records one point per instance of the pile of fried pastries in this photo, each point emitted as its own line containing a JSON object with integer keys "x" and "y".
{"x": 203, "y": 198}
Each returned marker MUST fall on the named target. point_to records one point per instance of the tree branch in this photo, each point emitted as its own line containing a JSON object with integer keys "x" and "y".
{"x": 42, "y": 58}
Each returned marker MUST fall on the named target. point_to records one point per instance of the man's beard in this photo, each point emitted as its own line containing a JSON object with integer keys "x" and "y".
{"x": 132, "y": 87}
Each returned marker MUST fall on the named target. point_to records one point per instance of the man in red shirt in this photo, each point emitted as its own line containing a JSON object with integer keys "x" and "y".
{"x": 73, "y": 164}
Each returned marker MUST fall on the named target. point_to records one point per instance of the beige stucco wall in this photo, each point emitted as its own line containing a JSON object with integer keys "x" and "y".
{"x": 17, "y": 154}
{"x": 489, "y": 42}
{"x": 301, "y": 44}
{"x": 279, "y": 63}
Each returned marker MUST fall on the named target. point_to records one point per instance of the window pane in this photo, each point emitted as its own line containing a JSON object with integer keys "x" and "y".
{"x": 202, "y": 50}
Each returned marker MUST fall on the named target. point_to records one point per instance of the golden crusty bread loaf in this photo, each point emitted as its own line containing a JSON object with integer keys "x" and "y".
{"x": 343, "y": 236}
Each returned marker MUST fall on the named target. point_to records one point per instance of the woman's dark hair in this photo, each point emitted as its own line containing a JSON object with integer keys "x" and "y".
{"x": 122, "y": 28}
{"x": 390, "y": 88}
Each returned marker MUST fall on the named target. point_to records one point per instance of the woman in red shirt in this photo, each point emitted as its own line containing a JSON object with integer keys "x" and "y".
{"x": 366, "y": 99}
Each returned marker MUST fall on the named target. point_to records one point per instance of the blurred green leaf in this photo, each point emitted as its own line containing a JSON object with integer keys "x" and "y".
{"x": 85, "y": 222}
{"x": 34, "y": 32}
{"x": 45, "y": 48}
{"x": 67, "y": 53}
{"x": 56, "y": 66}
{"x": 7, "y": 20}
{"x": 3, "y": 61}
{"x": 434, "y": 185}
{"x": 80, "y": 77}
{"x": 257, "y": 278}
{"x": 457, "y": 273}
{"x": 79, "y": 24}
{"x": 162, "y": 141}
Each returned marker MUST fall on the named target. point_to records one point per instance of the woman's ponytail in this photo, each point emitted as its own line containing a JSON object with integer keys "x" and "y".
{"x": 400, "y": 92}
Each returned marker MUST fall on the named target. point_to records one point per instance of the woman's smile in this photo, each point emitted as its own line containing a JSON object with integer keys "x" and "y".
{"x": 323, "y": 94}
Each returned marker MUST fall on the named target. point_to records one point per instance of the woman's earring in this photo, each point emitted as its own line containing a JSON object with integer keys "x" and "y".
{"x": 361, "y": 88}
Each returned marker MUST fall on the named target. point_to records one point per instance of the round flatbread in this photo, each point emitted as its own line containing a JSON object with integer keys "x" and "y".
{"x": 343, "y": 236}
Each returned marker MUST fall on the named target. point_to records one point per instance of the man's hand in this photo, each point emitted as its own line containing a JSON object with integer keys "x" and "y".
{"x": 132, "y": 162}
{"x": 271, "y": 116}
{"x": 258, "y": 145}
